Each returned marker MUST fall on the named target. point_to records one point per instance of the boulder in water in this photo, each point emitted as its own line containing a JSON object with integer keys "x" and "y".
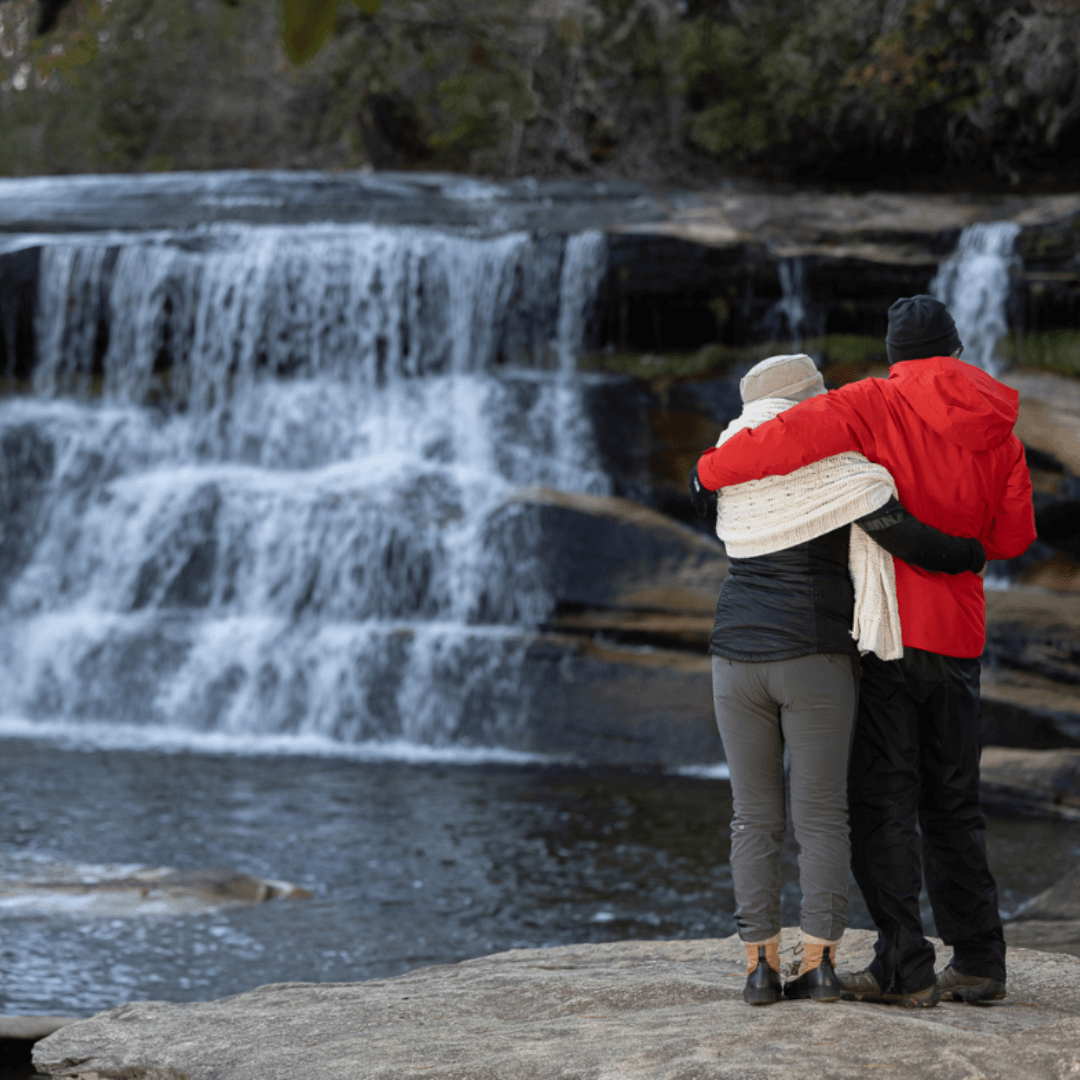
{"x": 90, "y": 891}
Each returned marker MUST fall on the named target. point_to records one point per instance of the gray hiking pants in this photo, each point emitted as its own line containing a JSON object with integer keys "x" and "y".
{"x": 808, "y": 705}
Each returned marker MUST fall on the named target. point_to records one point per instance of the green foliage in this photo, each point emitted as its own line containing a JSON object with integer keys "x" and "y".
{"x": 712, "y": 359}
{"x": 793, "y": 88}
{"x": 480, "y": 100}
{"x": 306, "y": 26}
{"x": 1052, "y": 350}
{"x": 805, "y": 80}
{"x": 150, "y": 85}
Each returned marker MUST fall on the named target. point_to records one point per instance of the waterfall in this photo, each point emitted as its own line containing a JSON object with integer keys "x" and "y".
{"x": 788, "y": 316}
{"x": 270, "y": 456}
{"x": 974, "y": 284}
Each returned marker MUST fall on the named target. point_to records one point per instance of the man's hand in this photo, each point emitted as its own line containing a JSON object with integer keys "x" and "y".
{"x": 703, "y": 500}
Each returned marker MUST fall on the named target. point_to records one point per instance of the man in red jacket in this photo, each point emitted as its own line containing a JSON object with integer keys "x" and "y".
{"x": 943, "y": 428}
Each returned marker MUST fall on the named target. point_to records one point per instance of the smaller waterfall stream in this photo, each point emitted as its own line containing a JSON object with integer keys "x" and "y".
{"x": 789, "y": 313}
{"x": 974, "y": 284}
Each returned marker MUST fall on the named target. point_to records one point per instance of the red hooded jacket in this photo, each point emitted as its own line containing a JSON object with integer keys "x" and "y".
{"x": 943, "y": 428}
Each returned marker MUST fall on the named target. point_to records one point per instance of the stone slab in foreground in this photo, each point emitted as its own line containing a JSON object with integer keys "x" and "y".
{"x": 646, "y": 1010}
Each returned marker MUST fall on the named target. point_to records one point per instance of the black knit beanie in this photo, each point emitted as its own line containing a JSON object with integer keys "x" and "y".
{"x": 920, "y": 326}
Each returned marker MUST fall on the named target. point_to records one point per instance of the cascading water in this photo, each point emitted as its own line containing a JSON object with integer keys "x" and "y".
{"x": 789, "y": 312}
{"x": 974, "y": 284}
{"x": 265, "y": 460}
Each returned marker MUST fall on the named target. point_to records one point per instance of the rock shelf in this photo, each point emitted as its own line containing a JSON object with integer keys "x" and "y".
{"x": 647, "y": 1010}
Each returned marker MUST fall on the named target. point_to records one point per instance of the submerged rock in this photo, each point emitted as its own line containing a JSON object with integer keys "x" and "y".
{"x": 133, "y": 891}
{"x": 1050, "y": 920}
{"x": 1060, "y": 901}
{"x": 659, "y": 1009}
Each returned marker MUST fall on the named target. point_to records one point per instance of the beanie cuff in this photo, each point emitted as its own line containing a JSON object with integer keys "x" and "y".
{"x": 940, "y": 345}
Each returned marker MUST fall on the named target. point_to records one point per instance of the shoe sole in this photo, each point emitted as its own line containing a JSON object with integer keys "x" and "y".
{"x": 910, "y": 1001}
{"x": 761, "y": 998}
{"x": 906, "y": 1001}
{"x": 974, "y": 995}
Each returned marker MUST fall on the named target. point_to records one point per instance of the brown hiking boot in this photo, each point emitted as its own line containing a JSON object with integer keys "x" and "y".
{"x": 862, "y": 986}
{"x": 762, "y": 972}
{"x": 816, "y": 979}
{"x": 956, "y": 986}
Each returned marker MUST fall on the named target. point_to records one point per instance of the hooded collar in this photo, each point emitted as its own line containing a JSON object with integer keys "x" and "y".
{"x": 959, "y": 401}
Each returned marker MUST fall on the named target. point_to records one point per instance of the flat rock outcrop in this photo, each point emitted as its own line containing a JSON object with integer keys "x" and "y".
{"x": 642, "y": 1010}
{"x": 1049, "y": 417}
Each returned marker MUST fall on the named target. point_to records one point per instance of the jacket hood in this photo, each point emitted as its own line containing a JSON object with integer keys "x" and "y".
{"x": 957, "y": 400}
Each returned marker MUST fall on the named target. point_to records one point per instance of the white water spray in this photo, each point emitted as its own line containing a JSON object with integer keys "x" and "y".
{"x": 276, "y": 518}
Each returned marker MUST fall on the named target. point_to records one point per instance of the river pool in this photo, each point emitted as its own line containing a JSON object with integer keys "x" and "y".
{"x": 410, "y": 865}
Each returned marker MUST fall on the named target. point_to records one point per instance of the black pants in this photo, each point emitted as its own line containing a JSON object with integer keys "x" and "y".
{"x": 915, "y": 767}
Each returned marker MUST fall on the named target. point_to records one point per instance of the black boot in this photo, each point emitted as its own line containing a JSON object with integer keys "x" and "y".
{"x": 817, "y": 980}
{"x": 763, "y": 983}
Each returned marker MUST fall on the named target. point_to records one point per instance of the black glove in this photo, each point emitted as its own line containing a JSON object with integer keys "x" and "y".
{"x": 703, "y": 500}
{"x": 978, "y": 556}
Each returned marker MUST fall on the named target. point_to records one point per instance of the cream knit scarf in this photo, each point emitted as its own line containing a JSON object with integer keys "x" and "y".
{"x": 763, "y": 516}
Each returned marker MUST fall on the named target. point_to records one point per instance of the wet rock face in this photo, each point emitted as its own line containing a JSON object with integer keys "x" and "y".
{"x": 594, "y": 552}
{"x": 27, "y": 459}
{"x": 651, "y": 1010}
{"x": 625, "y": 597}
{"x": 618, "y": 704}
{"x": 1045, "y": 782}
{"x": 182, "y": 574}
{"x": 18, "y": 286}
{"x": 1036, "y": 632}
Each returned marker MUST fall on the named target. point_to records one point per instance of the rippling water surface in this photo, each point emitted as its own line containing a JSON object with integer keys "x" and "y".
{"x": 411, "y": 864}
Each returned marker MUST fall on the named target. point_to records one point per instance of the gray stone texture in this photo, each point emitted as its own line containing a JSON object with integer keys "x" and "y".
{"x": 647, "y": 1010}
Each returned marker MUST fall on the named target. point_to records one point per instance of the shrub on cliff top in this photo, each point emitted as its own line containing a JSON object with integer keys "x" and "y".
{"x": 843, "y": 89}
